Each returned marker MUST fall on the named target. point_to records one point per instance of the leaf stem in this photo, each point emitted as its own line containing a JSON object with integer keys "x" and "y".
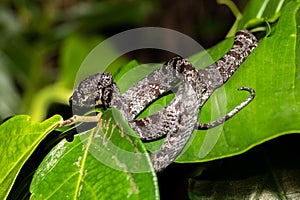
{"x": 235, "y": 11}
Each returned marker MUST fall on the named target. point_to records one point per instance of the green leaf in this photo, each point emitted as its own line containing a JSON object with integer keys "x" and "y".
{"x": 130, "y": 74}
{"x": 98, "y": 165}
{"x": 101, "y": 163}
{"x": 10, "y": 99}
{"x": 257, "y": 12}
{"x": 74, "y": 50}
{"x": 273, "y": 71}
{"x": 19, "y": 137}
{"x": 43, "y": 99}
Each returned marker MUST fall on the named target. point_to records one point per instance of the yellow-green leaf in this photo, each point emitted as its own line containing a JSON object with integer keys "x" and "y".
{"x": 19, "y": 136}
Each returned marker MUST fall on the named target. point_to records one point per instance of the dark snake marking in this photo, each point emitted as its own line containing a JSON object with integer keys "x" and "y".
{"x": 179, "y": 118}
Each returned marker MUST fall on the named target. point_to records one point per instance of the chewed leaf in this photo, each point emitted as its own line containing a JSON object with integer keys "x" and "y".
{"x": 101, "y": 163}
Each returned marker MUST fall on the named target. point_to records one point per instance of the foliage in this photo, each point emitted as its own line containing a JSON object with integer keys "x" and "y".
{"x": 34, "y": 34}
{"x": 72, "y": 170}
{"x": 19, "y": 138}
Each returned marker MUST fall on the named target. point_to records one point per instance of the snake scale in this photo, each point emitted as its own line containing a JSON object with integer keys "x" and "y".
{"x": 179, "y": 118}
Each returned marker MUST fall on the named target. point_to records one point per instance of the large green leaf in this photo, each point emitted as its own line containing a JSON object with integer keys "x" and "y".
{"x": 19, "y": 138}
{"x": 273, "y": 71}
{"x": 73, "y": 51}
{"x": 101, "y": 163}
{"x": 93, "y": 166}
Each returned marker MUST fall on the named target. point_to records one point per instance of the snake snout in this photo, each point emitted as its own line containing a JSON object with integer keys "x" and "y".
{"x": 94, "y": 91}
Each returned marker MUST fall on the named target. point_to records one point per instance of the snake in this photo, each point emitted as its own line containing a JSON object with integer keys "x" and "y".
{"x": 177, "y": 120}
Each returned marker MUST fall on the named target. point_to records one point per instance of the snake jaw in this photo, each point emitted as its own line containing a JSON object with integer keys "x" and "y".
{"x": 94, "y": 91}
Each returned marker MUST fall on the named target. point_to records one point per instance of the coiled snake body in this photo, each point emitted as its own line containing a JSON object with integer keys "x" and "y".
{"x": 179, "y": 118}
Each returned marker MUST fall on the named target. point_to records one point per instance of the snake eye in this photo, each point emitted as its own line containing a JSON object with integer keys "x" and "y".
{"x": 105, "y": 79}
{"x": 174, "y": 62}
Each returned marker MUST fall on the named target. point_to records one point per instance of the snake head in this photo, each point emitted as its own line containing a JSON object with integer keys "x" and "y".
{"x": 94, "y": 91}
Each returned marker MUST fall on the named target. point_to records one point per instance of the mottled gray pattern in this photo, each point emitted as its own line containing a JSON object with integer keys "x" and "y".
{"x": 178, "y": 119}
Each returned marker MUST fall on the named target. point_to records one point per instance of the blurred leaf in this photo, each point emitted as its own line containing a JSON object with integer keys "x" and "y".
{"x": 269, "y": 171}
{"x": 280, "y": 184}
{"x": 102, "y": 163}
{"x": 10, "y": 99}
{"x": 74, "y": 49}
{"x": 31, "y": 33}
{"x": 107, "y": 13}
{"x": 8, "y": 23}
{"x": 43, "y": 99}
{"x": 19, "y": 138}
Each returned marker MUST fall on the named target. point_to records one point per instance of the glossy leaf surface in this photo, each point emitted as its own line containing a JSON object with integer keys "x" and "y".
{"x": 19, "y": 137}
{"x": 101, "y": 163}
